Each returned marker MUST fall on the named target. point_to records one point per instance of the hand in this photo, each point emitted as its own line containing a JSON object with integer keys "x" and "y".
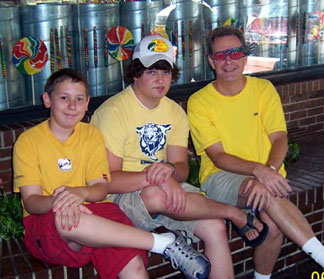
{"x": 70, "y": 217}
{"x": 65, "y": 197}
{"x": 158, "y": 173}
{"x": 274, "y": 182}
{"x": 258, "y": 195}
{"x": 175, "y": 196}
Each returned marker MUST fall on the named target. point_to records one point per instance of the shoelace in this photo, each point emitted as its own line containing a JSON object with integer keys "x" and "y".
{"x": 186, "y": 250}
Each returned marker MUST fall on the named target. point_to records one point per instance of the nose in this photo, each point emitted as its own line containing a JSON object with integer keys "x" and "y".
{"x": 72, "y": 104}
{"x": 227, "y": 59}
{"x": 159, "y": 77}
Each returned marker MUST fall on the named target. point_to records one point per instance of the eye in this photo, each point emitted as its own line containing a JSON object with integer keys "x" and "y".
{"x": 166, "y": 72}
{"x": 219, "y": 56}
{"x": 151, "y": 72}
{"x": 64, "y": 98}
{"x": 235, "y": 55}
{"x": 80, "y": 99}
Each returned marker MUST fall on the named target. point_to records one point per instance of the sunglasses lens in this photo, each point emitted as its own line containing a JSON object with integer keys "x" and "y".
{"x": 220, "y": 56}
{"x": 236, "y": 55}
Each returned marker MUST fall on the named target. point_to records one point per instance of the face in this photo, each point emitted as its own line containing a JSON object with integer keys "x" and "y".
{"x": 68, "y": 103}
{"x": 151, "y": 86}
{"x": 228, "y": 69}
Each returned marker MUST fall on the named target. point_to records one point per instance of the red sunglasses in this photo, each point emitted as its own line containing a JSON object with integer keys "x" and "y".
{"x": 234, "y": 53}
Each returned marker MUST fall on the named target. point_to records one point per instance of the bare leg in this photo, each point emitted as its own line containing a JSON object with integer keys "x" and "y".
{"x": 265, "y": 255}
{"x": 290, "y": 220}
{"x": 135, "y": 269}
{"x": 95, "y": 231}
{"x": 198, "y": 207}
{"x": 214, "y": 235}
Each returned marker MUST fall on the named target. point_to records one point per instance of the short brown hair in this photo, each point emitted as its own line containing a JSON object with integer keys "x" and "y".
{"x": 135, "y": 69}
{"x": 226, "y": 30}
{"x": 62, "y": 75}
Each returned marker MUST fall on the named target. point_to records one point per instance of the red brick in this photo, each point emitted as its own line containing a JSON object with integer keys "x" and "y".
{"x": 6, "y": 175}
{"x": 7, "y": 187}
{"x": 310, "y": 196}
{"x": 18, "y": 132}
{"x": 298, "y": 88}
{"x": 288, "y": 249}
{"x": 320, "y": 118}
{"x": 244, "y": 254}
{"x": 236, "y": 245}
{"x": 315, "y": 217}
{"x": 308, "y": 104}
{"x": 315, "y": 111}
{"x": 317, "y": 227}
{"x": 298, "y": 114}
{"x": 307, "y": 121}
{"x": 290, "y": 107}
{"x": 280, "y": 89}
{"x": 296, "y": 258}
{"x": 292, "y": 124}
{"x": 238, "y": 268}
{"x": 322, "y": 84}
{"x": 304, "y": 87}
{"x": 301, "y": 199}
{"x": 5, "y": 164}
{"x": 6, "y": 152}
{"x": 315, "y": 127}
{"x": 293, "y": 199}
{"x": 7, "y": 138}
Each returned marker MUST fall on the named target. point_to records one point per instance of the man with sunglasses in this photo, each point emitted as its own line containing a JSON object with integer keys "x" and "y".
{"x": 238, "y": 128}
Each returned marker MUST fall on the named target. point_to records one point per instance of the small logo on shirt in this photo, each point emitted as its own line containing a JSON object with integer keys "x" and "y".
{"x": 104, "y": 176}
{"x": 256, "y": 114}
{"x": 64, "y": 164}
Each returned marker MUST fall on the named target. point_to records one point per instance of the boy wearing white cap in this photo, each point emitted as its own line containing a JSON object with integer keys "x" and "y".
{"x": 146, "y": 137}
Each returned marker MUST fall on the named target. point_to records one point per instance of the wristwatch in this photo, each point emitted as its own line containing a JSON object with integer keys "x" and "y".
{"x": 272, "y": 167}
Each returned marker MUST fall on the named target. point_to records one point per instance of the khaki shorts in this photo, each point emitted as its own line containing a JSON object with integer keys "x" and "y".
{"x": 133, "y": 206}
{"x": 223, "y": 187}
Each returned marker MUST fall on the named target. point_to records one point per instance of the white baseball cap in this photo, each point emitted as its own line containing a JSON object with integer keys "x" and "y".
{"x": 152, "y": 49}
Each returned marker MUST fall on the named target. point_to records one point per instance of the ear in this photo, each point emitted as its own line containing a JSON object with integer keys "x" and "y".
{"x": 211, "y": 62}
{"x": 245, "y": 60}
{"x": 88, "y": 102}
{"x": 46, "y": 100}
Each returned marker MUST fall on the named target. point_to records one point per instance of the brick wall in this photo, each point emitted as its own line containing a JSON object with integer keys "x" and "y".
{"x": 303, "y": 104}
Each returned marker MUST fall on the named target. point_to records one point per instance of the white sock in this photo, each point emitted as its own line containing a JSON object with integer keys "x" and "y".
{"x": 314, "y": 248}
{"x": 161, "y": 241}
{"x": 261, "y": 276}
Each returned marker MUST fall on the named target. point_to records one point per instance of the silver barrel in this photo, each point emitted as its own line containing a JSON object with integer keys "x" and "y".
{"x": 310, "y": 42}
{"x": 133, "y": 15}
{"x": 186, "y": 18}
{"x": 39, "y": 21}
{"x": 153, "y": 8}
{"x": 216, "y": 13}
{"x": 90, "y": 20}
{"x": 12, "y": 86}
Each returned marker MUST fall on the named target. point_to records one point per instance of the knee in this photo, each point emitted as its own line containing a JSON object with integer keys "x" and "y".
{"x": 209, "y": 229}
{"x": 134, "y": 268}
{"x": 274, "y": 231}
{"x": 153, "y": 198}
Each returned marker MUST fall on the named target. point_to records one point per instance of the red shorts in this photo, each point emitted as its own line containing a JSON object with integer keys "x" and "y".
{"x": 44, "y": 242}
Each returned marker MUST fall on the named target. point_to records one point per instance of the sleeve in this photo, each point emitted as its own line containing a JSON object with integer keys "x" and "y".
{"x": 25, "y": 163}
{"x": 112, "y": 128}
{"x": 272, "y": 114}
{"x": 180, "y": 131}
{"x": 97, "y": 164}
{"x": 203, "y": 130}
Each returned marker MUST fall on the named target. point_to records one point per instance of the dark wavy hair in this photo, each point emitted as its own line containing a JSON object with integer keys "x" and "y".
{"x": 226, "y": 30}
{"x": 135, "y": 69}
{"x": 62, "y": 75}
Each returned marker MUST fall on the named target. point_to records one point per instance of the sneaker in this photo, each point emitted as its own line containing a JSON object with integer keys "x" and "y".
{"x": 193, "y": 264}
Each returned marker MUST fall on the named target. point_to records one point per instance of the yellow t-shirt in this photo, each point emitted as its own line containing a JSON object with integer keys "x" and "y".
{"x": 137, "y": 134}
{"x": 242, "y": 122}
{"x": 39, "y": 158}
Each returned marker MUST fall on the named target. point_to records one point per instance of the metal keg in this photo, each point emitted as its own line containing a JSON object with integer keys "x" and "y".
{"x": 91, "y": 23}
{"x": 217, "y": 13}
{"x": 185, "y": 21}
{"x": 12, "y": 83}
{"x": 51, "y": 23}
{"x": 133, "y": 16}
{"x": 310, "y": 40}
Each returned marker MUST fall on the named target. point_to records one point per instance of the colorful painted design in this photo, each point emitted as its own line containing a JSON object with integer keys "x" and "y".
{"x": 29, "y": 55}
{"x": 52, "y": 50}
{"x": 3, "y": 61}
{"x": 95, "y": 47}
{"x": 120, "y": 43}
